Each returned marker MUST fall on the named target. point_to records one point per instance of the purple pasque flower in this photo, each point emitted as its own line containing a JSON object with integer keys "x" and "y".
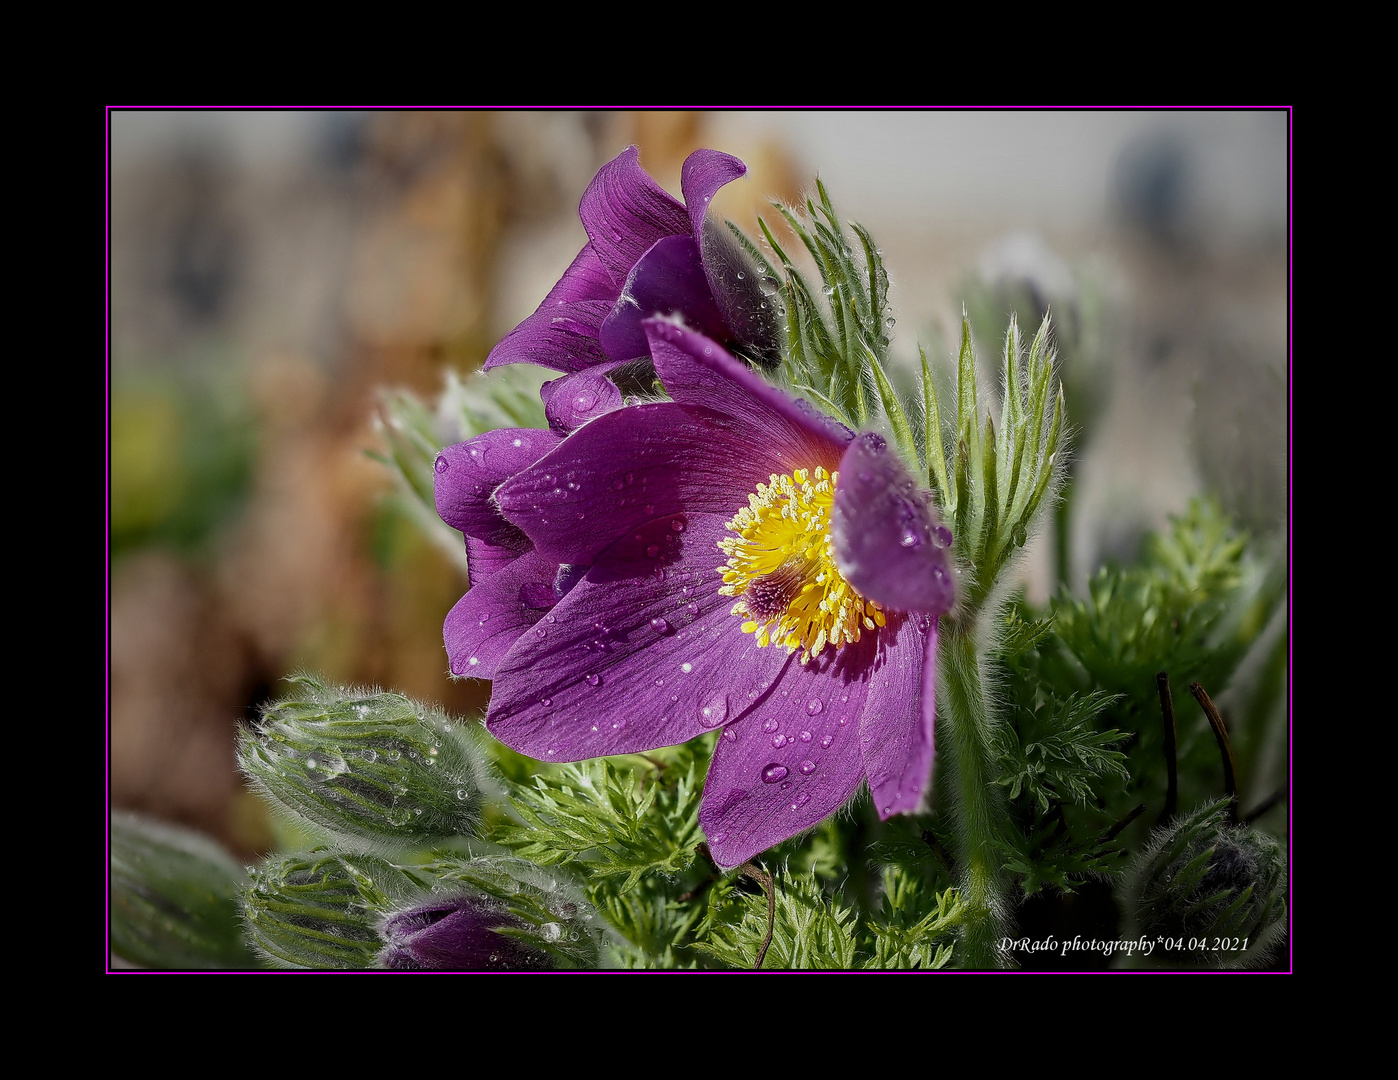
{"x": 726, "y": 559}
{"x": 646, "y": 255}
{"x": 460, "y": 933}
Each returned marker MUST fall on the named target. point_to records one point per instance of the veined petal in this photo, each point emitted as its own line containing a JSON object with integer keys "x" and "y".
{"x": 624, "y": 212}
{"x": 631, "y": 466}
{"x": 575, "y": 399}
{"x": 487, "y": 621}
{"x": 794, "y": 760}
{"x": 701, "y": 176}
{"x": 668, "y": 280}
{"x": 698, "y": 371}
{"x": 888, "y": 542}
{"x": 585, "y": 279}
{"x": 484, "y": 559}
{"x": 896, "y": 730}
{"x": 642, "y": 653}
{"x": 467, "y": 474}
{"x": 562, "y": 336}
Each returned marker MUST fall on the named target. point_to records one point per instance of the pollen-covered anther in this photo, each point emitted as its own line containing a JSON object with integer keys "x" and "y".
{"x": 782, "y": 570}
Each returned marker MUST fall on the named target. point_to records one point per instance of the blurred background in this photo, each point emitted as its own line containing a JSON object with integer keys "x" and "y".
{"x": 271, "y": 272}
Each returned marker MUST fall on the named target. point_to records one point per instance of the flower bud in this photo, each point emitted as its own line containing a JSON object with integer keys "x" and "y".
{"x": 459, "y": 933}
{"x": 496, "y": 913}
{"x": 372, "y": 770}
{"x": 322, "y": 909}
{"x": 1213, "y": 893}
{"x": 174, "y": 898}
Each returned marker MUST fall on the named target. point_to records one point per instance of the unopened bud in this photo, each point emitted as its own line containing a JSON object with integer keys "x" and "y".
{"x": 322, "y": 909}
{"x": 1213, "y": 892}
{"x": 373, "y": 770}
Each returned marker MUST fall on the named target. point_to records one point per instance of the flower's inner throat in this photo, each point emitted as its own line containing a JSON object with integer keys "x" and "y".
{"x": 782, "y": 571}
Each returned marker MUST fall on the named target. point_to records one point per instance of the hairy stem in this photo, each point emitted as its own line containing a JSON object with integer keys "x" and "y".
{"x": 979, "y": 803}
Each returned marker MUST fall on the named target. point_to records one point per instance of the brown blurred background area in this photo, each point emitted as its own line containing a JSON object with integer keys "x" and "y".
{"x": 271, "y": 271}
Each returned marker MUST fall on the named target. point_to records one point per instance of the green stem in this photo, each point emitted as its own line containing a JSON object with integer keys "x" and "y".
{"x": 979, "y": 802}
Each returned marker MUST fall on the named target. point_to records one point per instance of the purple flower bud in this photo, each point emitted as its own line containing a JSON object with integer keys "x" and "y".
{"x": 459, "y": 933}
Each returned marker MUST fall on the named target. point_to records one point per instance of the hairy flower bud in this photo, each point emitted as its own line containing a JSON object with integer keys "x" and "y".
{"x": 322, "y": 909}
{"x": 1213, "y": 894}
{"x": 372, "y": 770}
{"x": 174, "y": 898}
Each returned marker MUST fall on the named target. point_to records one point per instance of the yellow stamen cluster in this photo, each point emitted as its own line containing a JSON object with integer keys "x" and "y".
{"x": 782, "y": 569}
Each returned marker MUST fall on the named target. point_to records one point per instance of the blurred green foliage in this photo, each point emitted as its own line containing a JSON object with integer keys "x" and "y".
{"x": 182, "y": 454}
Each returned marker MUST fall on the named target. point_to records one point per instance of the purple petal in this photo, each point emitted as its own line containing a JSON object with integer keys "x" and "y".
{"x": 562, "y": 337}
{"x": 575, "y": 399}
{"x": 467, "y": 474}
{"x": 585, "y": 279}
{"x": 792, "y": 761}
{"x": 630, "y": 466}
{"x": 485, "y": 559}
{"x": 485, "y": 622}
{"x": 703, "y": 173}
{"x": 457, "y": 934}
{"x": 641, "y": 653}
{"x": 668, "y": 280}
{"x": 888, "y": 541}
{"x": 897, "y": 738}
{"x": 698, "y": 371}
{"x": 624, "y": 212}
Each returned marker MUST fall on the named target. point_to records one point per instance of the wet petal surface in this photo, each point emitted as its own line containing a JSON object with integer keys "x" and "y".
{"x": 698, "y": 371}
{"x": 896, "y": 733}
{"x": 624, "y": 212}
{"x": 562, "y": 337}
{"x": 489, "y": 619}
{"x": 467, "y": 474}
{"x": 794, "y": 760}
{"x": 888, "y": 542}
{"x": 631, "y": 466}
{"x": 669, "y": 280}
{"x": 641, "y": 653}
{"x": 575, "y": 399}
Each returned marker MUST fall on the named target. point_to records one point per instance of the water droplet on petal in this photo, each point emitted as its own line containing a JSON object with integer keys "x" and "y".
{"x": 546, "y": 702}
{"x": 942, "y": 535}
{"x": 718, "y": 837}
{"x": 807, "y": 767}
{"x": 714, "y": 713}
{"x": 653, "y": 550}
{"x": 778, "y": 741}
{"x": 773, "y": 773}
{"x": 593, "y": 680}
{"x": 814, "y": 706}
{"x": 805, "y": 736}
{"x": 692, "y": 608}
{"x": 585, "y": 401}
{"x": 771, "y": 726}
{"x": 442, "y": 463}
{"x": 659, "y": 626}
{"x": 826, "y": 741}
{"x": 686, "y": 668}
{"x": 677, "y": 526}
